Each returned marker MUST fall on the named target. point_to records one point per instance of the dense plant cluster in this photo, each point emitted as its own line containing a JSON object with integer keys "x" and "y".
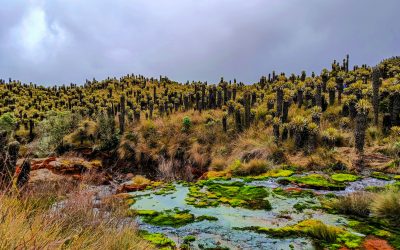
{"x": 124, "y": 114}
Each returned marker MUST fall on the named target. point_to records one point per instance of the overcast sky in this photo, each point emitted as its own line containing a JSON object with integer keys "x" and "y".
{"x": 62, "y": 41}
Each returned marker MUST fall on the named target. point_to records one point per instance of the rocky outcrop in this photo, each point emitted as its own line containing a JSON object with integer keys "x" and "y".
{"x": 67, "y": 166}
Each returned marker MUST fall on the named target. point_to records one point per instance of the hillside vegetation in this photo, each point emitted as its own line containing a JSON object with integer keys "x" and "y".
{"x": 65, "y": 151}
{"x": 163, "y": 127}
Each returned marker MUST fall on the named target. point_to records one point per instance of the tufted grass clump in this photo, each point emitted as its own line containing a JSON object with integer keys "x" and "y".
{"x": 253, "y": 167}
{"x": 357, "y": 203}
{"x": 386, "y": 206}
{"x": 33, "y": 223}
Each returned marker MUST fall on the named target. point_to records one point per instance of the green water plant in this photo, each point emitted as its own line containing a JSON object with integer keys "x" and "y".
{"x": 235, "y": 194}
{"x": 326, "y": 236}
{"x": 172, "y": 218}
{"x": 158, "y": 239}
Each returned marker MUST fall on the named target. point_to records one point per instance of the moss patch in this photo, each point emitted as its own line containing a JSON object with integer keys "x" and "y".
{"x": 314, "y": 181}
{"x": 161, "y": 188}
{"x": 236, "y": 194}
{"x": 158, "y": 239}
{"x": 293, "y": 192}
{"x": 301, "y": 206}
{"x": 381, "y": 176}
{"x": 368, "y": 229}
{"x": 330, "y": 237}
{"x": 206, "y": 217}
{"x": 345, "y": 177}
{"x": 188, "y": 239}
{"x": 173, "y": 218}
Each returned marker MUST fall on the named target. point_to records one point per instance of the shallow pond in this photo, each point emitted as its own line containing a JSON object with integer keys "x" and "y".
{"x": 223, "y": 233}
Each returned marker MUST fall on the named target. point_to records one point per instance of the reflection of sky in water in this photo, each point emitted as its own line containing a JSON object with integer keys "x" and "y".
{"x": 213, "y": 233}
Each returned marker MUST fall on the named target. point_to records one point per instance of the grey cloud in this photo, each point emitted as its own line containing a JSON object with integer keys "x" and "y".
{"x": 58, "y": 41}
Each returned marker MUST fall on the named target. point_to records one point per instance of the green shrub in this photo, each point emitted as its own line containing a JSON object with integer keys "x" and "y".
{"x": 7, "y": 122}
{"x": 186, "y": 124}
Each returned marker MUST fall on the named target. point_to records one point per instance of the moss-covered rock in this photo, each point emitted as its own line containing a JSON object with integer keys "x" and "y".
{"x": 275, "y": 173}
{"x": 314, "y": 181}
{"x": 381, "y": 176}
{"x": 341, "y": 177}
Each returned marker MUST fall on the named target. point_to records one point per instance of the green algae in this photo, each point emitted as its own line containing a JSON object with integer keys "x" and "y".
{"x": 188, "y": 239}
{"x": 201, "y": 246}
{"x": 301, "y": 206}
{"x": 236, "y": 194}
{"x": 293, "y": 193}
{"x": 330, "y": 237}
{"x": 158, "y": 239}
{"x": 173, "y": 218}
{"x": 147, "y": 212}
{"x": 314, "y": 181}
{"x": 381, "y": 176}
{"x": 206, "y": 217}
{"x": 341, "y": 177}
{"x": 161, "y": 188}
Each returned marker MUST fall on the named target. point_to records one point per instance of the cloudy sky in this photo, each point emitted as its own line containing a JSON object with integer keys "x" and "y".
{"x": 61, "y": 41}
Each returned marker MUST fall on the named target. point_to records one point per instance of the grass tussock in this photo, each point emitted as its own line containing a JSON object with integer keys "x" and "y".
{"x": 28, "y": 222}
{"x": 253, "y": 167}
{"x": 386, "y": 206}
{"x": 357, "y": 203}
{"x": 140, "y": 180}
{"x": 323, "y": 232}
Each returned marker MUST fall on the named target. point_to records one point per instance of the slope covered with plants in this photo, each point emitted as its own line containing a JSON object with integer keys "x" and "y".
{"x": 327, "y": 144}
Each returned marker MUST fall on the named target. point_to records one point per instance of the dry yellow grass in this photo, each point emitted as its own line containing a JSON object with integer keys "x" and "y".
{"x": 31, "y": 222}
